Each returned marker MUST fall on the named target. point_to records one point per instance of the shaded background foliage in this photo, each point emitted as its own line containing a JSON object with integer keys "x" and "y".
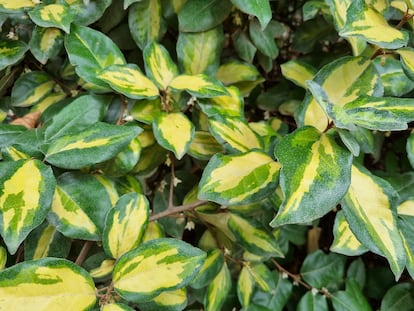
{"x": 173, "y": 154}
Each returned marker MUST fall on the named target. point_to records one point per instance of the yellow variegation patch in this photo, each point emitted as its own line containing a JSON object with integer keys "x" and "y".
{"x": 218, "y": 290}
{"x": 116, "y": 307}
{"x": 171, "y": 298}
{"x": 52, "y": 12}
{"x": 109, "y": 187}
{"x": 198, "y": 85}
{"x": 204, "y": 146}
{"x": 407, "y": 60}
{"x": 36, "y": 94}
{"x": 297, "y": 72}
{"x": 46, "y": 284}
{"x": 152, "y": 232}
{"x": 17, "y": 4}
{"x": 44, "y": 241}
{"x": 129, "y": 81}
{"x": 369, "y": 212}
{"x": 245, "y": 286}
{"x": 3, "y": 257}
{"x": 48, "y": 39}
{"x": 406, "y": 208}
{"x": 234, "y": 72}
{"x": 105, "y": 268}
{"x": 174, "y": 132}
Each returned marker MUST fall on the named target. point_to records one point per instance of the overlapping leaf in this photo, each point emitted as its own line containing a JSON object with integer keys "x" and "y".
{"x": 199, "y": 85}
{"x": 125, "y": 224}
{"x": 174, "y": 300}
{"x": 218, "y": 290}
{"x": 316, "y": 180}
{"x": 298, "y": 72}
{"x": 370, "y": 209}
{"x": 204, "y": 146}
{"x": 259, "y": 8}
{"x": 156, "y": 266}
{"x": 11, "y": 51}
{"x": 211, "y": 266}
{"x": 245, "y": 286}
{"x": 257, "y": 176}
{"x": 53, "y": 15}
{"x": 46, "y": 285}
{"x": 45, "y": 43}
{"x": 26, "y": 192}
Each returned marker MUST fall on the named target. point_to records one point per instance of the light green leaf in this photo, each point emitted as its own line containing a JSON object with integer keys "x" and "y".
{"x": 345, "y": 241}
{"x": 159, "y": 66}
{"x": 257, "y": 176}
{"x": 207, "y": 14}
{"x": 90, "y": 51}
{"x": 316, "y": 181}
{"x": 53, "y": 15}
{"x": 370, "y": 209}
{"x": 218, "y": 290}
{"x": 128, "y": 80}
{"x": 312, "y": 302}
{"x": 174, "y": 132}
{"x": 259, "y": 8}
{"x": 26, "y": 192}
{"x": 79, "y": 212}
{"x": 198, "y": 85}
{"x": 199, "y": 52}
{"x": 125, "y": 224}
{"x": 156, "y": 266}
{"x": 236, "y": 133}
{"x": 46, "y": 284}
{"x": 45, "y": 43}
{"x": 97, "y": 143}
{"x": 146, "y": 23}
{"x": 364, "y": 21}
{"x": 30, "y": 88}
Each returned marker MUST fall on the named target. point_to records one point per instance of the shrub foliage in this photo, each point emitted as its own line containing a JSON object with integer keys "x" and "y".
{"x": 224, "y": 155}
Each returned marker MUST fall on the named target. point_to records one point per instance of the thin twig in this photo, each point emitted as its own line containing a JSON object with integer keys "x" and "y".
{"x": 295, "y": 277}
{"x": 177, "y": 209}
{"x": 83, "y": 253}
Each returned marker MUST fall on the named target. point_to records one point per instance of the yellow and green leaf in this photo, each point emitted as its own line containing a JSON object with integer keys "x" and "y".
{"x": 116, "y": 307}
{"x": 199, "y": 85}
{"x": 3, "y": 257}
{"x": 26, "y": 192}
{"x": 146, "y": 110}
{"x": 204, "y": 146}
{"x": 46, "y": 285}
{"x": 45, "y": 43}
{"x": 253, "y": 236}
{"x": 174, "y": 132}
{"x": 234, "y": 72}
{"x": 239, "y": 179}
{"x": 366, "y": 22}
{"x": 53, "y": 15}
{"x": 79, "y": 212}
{"x": 345, "y": 242}
{"x": 370, "y": 209}
{"x": 231, "y": 105}
{"x": 90, "y": 51}
{"x": 235, "y": 133}
{"x": 129, "y": 80}
{"x": 152, "y": 232}
{"x": 14, "y": 6}
{"x": 218, "y": 290}
{"x": 406, "y": 226}
{"x": 407, "y": 61}
{"x": 245, "y": 286}
{"x": 298, "y": 72}
{"x": 31, "y": 88}
{"x": 316, "y": 181}
{"x": 199, "y": 52}
{"x": 11, "y": 51}
{"x": 104, "y": 270}
{"x": 343, "y": 80}
{"x": 172, "y": 300}
{"x": 211, "y": 267}
{"x": 98, "y": 143}
{"x": 154, "y": 267}
{"x": 125, "y": 224}
{"x": 159, "y": 66}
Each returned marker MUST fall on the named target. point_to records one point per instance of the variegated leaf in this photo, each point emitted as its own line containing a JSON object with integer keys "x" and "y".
{"x": 231, "y": 105}
{"x": 211, "y": 266}
{"x": 364, "y": 21}
{"x": 79, "y": 212}
{"x": 199, "y": 52}
{"x": 116, "y": 307}
{"x": 407, "y": 61}
{"x": 318, "y": 178}
{"x": 31, "y": 88}
{"x": 104, "y": 270}
{"x": 257, "y": 176}
{"x": 370, "y": 209}
{"x": 3, "y": 257}
{"x": 245, "y": 286}
{"x": 11, "y": 51}
{"x": 218, "y": 290}
{"x": 8, "y": 6}
{"x": 53, "y": 15}
{"x": 254, "y": 237}
{"x": 198, "y": 85}
{"x": 204, "y": 146}
{"x": 236, "y": 133}
{"x": 159, "y": 66}
{"x": 128, "y": 80}
{"x": 174, "y": 132}
{"x": 154, "y": 267}
{"x": 46, "y": 285}
{"x": 345, "y": 242}
{"x": 90, "y": 51}
{"x": 125, "y": 224}
{"x": 95, "y": 144}
{"x": 26, "y": 192}
{"x": 45, "y": 43}
{"x": 298, "y": 72}
{"x": 343, "y": 80}
{"x": 172, "y": 300}
{"x": 234, "y": 72}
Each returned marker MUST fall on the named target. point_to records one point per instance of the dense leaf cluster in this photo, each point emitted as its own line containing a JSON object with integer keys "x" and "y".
{"x": 206, "y": 154}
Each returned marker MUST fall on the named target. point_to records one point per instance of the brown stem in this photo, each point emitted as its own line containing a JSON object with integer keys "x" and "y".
{"x": 124, "y": 106}
{"x": 295, "y": 277}
{"x": 83, "y": 253}
{"x": 177, "y": 209}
